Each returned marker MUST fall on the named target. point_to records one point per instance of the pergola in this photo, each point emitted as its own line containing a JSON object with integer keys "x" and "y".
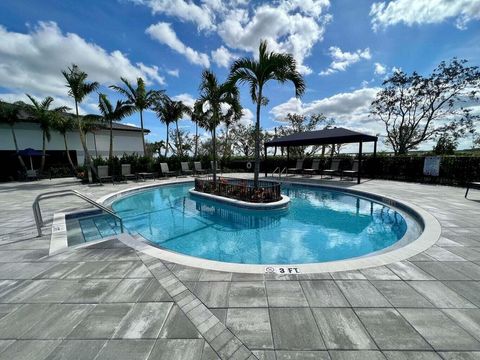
{"x": 332, "y": 136}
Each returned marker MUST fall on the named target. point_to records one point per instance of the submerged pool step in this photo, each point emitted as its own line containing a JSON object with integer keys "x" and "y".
{"x": 91, "y": 227}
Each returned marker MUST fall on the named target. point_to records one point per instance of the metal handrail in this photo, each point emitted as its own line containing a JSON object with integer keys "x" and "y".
{"x": 276, "y": 169}
{"x": 284, "y": 170}
{"x": 37, "y": 213}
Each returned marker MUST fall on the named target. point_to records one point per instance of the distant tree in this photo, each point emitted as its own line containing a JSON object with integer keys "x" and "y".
{"x": 139, "y": 97}
{"x": 243, "y": 139}
{"x": 230, "y": 118}
{"x": 197, "y": 118}
{"x": 446, "y": 145}
{"x": 170, "y": 111}
{"x": 156, "y": 147}
{"x": 9, "y": 114}
{"x": 213, "y": 97}
{"x": 281, "y": 67}
{"x": 415, "y": 108}
{"x": 63, "y": 124}
{"x": 296, "y": 123}
{"x": 90, "y": 124}
{"x": 46, "y": 117}
{"x": 111, "y": 114}
{"x": 79, "y": 88}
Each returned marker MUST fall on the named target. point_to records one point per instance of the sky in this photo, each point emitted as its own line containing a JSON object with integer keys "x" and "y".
{"x": 344, "y": 49}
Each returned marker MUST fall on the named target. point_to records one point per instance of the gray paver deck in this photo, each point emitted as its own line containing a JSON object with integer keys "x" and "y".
{"x": 110, "y": 302}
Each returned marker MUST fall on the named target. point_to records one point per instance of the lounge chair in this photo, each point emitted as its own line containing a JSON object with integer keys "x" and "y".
{"x": 472, "y": 185}
{"x": 127, "y": 172}
{"x": 166, "y": 171}
{"x": 314, "y": 169}
{"x": 32, "y": 175}
{"x": 102, "y": 174}
{"x": 333, "y": 168}
{"x": 197, "y": 165}
{"x": 218, "y": 168}
{"x": 353, "y": 171}
{"x": 186, "y": 168}
{"x": 298, "y": 168}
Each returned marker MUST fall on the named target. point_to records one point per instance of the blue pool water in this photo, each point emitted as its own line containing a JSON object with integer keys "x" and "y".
{"x": 319, "y": 225}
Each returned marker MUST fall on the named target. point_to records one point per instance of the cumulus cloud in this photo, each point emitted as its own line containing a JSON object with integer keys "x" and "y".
{"x": 344, "y": 59}
{"x": 32, "y": 61}
{"x": 350, "y": 109}
{"x": 173, "y": 72}
{"x": 222, "y": 57}
{"x": 247, "y": 117}
{"x": 163, "y": 33}
{"x": 186, "y": 98}
{"x": 418, "y": 12}
{"x": 380, "y": 69}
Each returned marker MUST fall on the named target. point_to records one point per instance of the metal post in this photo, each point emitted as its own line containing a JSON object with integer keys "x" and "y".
{"x": 375, "y": 159}
{"x": 265, "y": 161}
{"x": 359, "y": 161}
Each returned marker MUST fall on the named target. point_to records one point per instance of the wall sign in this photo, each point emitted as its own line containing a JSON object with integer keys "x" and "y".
{"x": 281, "y": 270}
{"x": 431, "y": 166}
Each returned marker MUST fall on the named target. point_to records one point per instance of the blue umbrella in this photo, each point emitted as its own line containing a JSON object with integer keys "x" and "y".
{"x": 30, "y": 152}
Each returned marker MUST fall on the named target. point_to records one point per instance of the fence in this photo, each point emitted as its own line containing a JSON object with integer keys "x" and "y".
{"x": 240, "y": 189}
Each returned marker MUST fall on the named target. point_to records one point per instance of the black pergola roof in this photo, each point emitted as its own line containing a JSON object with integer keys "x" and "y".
{"x": 321, "y": 137}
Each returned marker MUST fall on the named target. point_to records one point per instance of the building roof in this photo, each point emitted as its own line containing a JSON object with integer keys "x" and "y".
{"x": 24, "y": 116}
{"x": 335, "y": 135}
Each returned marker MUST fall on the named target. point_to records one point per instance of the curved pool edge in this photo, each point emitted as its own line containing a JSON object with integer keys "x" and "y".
{"x": 430, "y": 235}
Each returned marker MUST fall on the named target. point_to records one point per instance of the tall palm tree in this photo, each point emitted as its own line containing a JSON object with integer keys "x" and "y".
{"x": 111, "y": 114}
{"x": 9, "y": 114}
{"x": 46, "y": 117}
{"x": 91, "y": 123}
{"x": 197, "y": 117}
{"x": 256, "y": 73}
{"x": 139, "y": 97}
{"x": 214, "y": 95}
{"x": 64, "y": 124}
{"x": 79, "y": 88}
{"x": 233, "y": 115}
{"x": 170, "y": 111}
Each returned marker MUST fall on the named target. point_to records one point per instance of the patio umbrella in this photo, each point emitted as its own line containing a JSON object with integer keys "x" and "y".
{"x": 30, "y": 152}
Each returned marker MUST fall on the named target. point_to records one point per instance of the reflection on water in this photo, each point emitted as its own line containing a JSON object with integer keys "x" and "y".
{"x": 319, "y": 225}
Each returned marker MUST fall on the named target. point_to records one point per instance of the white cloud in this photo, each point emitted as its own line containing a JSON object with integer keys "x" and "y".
{"x": 173, "y": 72}
{"x": 58, "y": 101}
{"x": 342, "y": 60}
{"x": 418, "y": 12}
{"x": 186, "y": 98}
{"x": 380, "y": 69}
{"x": 348, "y": 109}
{"x": 247, "y": 117}
{"x": 32, "y": 62}
{"x": 201, "y": 15}
{"x": 222, "y": 57}
{"x": 163, "y": 33}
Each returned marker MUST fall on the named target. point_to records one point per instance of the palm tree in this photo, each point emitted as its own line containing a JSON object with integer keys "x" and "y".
{"x": 91, "y": 123}
{"x": 256, "y": 73}
{"x": 233, "y": 115}
{"x": 46, "y": 117}
{"x": 79, "y": 88}
{"x": 170, "y": 111}
{"x": 212, "y": 96}
{"x": 64, "y": 124}
{"x": 9, "y": 114}
{"x": 139, "y": 97}
{"x": 197, "y": 117}
{"x": 111, "y": 114}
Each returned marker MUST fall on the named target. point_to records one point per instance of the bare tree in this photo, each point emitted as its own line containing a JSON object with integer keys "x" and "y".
{"x": 415, "y": 109}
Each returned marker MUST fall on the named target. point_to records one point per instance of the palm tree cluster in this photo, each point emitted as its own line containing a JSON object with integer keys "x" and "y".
{"x": 218, "y": 103}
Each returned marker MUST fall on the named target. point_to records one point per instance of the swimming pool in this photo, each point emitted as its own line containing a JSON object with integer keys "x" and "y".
{"x": 319, "y": 225}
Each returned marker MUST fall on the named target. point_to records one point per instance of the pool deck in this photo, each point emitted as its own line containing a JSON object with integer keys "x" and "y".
{"x": 108, "y": 301}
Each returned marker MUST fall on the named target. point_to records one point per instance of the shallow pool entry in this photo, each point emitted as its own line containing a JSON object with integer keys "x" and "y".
{"x": 319, "y": 225}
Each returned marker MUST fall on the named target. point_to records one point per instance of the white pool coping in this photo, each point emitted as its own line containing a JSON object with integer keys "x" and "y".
{"x": 283, "y": 202}
{"x": 429, "y": 236}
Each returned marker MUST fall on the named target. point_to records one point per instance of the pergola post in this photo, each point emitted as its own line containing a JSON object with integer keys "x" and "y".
{"x": 265, "y": 161}
{"x": 360, "y": 145}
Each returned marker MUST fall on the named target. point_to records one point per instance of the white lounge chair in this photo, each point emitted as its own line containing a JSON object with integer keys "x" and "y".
{"x": 298, "y": 168}
{"x": 334, "y": 167}
{"x": 166, "y": 171}
{"x": 186, "y": 168}
{"x": 102, "y": 174}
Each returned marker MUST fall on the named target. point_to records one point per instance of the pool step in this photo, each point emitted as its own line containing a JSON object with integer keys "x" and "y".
{"x": 90, "y": 228}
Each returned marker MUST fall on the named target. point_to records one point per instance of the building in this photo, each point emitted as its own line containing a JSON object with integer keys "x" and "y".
{"x": 127, "y": 139}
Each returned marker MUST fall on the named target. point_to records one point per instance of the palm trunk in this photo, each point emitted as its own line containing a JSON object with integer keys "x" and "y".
{"x": 110, "y": 152}
{"x": 166, "y": 147}
{"x": 20, "y": 159}
{"x": 68, "y": 154}
{"x": 179, "y": 141}
{"x": 214, "y": 145}
{"x": 257, "y": 140}
{"x": 44, "y": 150}
{"x": 87, "y": 160}
{"x": 225, "y": 149}
{"x": 196, "y": 140}
{"x": 95, "y": 144}
{"x": 143, "y": 133}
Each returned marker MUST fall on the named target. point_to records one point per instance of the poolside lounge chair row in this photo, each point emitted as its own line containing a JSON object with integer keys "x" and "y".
{"x": 315, "y": 169}
{"x": 126, "y": 173}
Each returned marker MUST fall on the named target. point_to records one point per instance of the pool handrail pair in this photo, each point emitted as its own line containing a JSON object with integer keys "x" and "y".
{"x": 37, "y": 213}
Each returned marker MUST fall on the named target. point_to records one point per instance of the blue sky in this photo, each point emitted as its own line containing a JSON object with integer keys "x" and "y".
{"x": 345, "y": 48}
